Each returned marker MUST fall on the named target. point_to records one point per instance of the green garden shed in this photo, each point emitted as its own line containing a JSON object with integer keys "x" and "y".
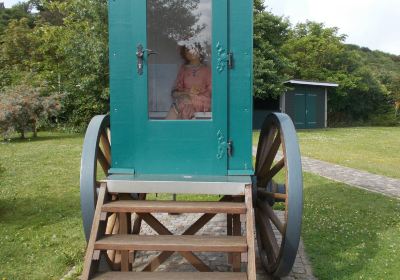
{"x": 306, "y": 102}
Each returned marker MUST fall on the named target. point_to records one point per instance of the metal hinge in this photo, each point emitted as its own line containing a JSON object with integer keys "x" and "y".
{"x": 230, "y": 148}
{"x": 230, "y": 60}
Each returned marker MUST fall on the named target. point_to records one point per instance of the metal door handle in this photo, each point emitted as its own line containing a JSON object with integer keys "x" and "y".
{"x": 150, "y": 52}
{"x": 140, "y": 57}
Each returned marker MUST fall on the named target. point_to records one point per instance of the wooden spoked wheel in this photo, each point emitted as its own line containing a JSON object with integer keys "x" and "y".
{"x": 278, "y": 180}
{"x": 97, "y": 151}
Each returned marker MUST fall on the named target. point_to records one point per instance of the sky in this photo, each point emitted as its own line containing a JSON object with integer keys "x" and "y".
{"x": 369, "y": 23}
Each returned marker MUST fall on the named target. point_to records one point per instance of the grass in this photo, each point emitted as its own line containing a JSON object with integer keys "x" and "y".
{"x": 373, "y": 149}
{"x": 348, "y": 233}
{"x": 41, "y": 234}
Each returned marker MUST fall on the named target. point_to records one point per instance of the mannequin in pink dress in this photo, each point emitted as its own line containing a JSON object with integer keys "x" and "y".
{"x": 192, "y": 91}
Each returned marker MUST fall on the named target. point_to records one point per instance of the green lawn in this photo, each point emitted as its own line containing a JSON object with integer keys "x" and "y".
{"x": 348, "y": 233}
{"x": 41, "y": 234}
{"x": 373, "y": 149}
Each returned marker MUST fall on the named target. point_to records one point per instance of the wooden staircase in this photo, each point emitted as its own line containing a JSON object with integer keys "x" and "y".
{"x": 237, "y": 246}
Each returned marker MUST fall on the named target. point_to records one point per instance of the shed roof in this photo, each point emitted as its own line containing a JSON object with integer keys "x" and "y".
{"x": 312, "y": 83}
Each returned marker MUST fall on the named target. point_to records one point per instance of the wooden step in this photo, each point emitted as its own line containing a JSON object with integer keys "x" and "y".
{"x": 173, "y": 243}
{"x": 172, "y": 276}
{"x": 146, "y": 206}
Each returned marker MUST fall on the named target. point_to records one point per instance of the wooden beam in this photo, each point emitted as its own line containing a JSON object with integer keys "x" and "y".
{"x": 251, "y": 254}
{"x": 174, "y": 243}
{"x": 237, "y": 231}
{"x": 147, "y": 206}
{"x": 123, "y": 229}
{"x": 162, "y": 230}
{"x": 193, "y": 229}
{"x": 90, "y": 265}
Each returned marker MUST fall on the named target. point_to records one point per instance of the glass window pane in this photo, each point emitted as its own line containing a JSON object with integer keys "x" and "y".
{"x": 179, "y": 59}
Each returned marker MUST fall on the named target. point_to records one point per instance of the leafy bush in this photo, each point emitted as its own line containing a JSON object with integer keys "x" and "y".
{"x": 22, "y": 107}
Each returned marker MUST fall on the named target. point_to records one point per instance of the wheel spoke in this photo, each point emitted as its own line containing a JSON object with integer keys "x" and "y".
{"x": 269, "y": 250}
{"x": 106, "y": 146}
{"x": 266, "y": 228}
{"x": 264, "y": 147}
{"x": 269, "y": 212}
{"x": 265, "y": 194}
{"x": 103, "y": 161}
{"x": 111, "y": 223}
{"x": 274, "y": 170}
{"x": 269, "y": 159}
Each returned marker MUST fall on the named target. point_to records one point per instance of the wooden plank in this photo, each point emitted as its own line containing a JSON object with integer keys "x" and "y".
{"x": 137, "y": 224}
{"x": 89, "y": 265}
{"x": 251, "y": 254}
{"x": 171, "y": 276}
{"x": 237, "y": 231}
{"x": 229, "y": 232}
{"x": 146, "y": 206}
{"x": 123, "y": 228}
{"x": 181, "y": 243}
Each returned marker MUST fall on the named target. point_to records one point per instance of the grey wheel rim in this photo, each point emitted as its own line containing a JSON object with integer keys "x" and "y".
{"x": 280, "y": 262}
{"x": 88, "y": 182}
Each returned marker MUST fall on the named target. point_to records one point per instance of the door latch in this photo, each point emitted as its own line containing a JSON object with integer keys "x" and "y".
{"x": 230, "y": 148}
{"x": 230, "y": 60}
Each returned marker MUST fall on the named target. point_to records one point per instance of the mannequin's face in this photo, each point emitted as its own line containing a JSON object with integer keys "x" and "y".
{"x": 192, "y": 55}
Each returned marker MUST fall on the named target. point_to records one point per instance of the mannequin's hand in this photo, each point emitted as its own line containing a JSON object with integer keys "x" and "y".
{"x": 195, "y": 90}
{"x": 177, "y": 94}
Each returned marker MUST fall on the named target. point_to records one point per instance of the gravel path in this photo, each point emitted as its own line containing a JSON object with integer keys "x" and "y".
{"x": 358, "y": 178}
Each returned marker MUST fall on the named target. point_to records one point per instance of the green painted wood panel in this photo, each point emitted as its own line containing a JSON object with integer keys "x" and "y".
{"x": 169, "y": 147}
{"x": 300, "y": 109}
{"x": 241, "y": 86}
{"x": 311, "y": 109}
{"x": 306, "y": 106}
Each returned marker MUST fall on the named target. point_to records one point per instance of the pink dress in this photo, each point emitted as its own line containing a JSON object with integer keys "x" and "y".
{"x": 189, "y": 79}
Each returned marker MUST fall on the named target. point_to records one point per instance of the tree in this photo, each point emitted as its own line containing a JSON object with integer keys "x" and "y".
{"x": 319, "y": 53}
{"x": 270, "y": 65}
{"x": 17, "y": 46}
{"x": 17, "y": 12}
{"x": 72, "y": 58}
{"x": 22, "y": 107}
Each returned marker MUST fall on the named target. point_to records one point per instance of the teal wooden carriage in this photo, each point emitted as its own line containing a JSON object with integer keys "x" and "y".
{"x": 180, "y": 122}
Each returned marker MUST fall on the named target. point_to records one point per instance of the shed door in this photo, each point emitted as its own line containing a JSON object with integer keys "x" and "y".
{"x": 176, "y": 52}
{"x": 300, "y": 109}
{"x": 311, "y": 110}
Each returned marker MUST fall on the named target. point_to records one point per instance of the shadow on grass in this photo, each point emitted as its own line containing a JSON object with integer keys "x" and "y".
{"x": 38, "y": 211}
{"x": 347, "y": 231}
{"x": 40, "y": 237}
{"x": 48, "y": 136}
